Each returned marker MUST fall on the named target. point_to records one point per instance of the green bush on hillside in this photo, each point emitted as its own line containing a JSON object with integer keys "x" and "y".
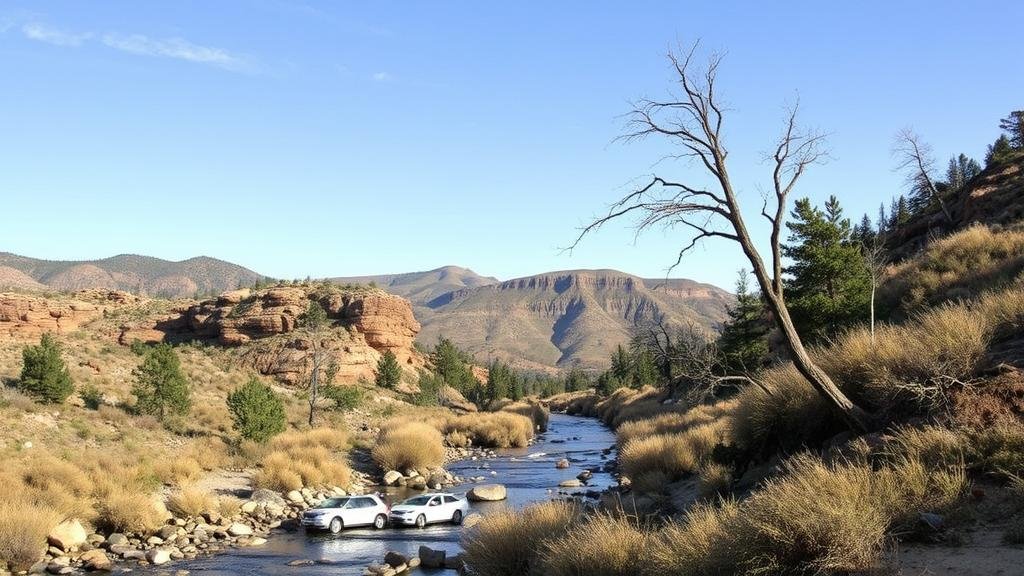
{"x": 258, "y": 413}
{"x": 44, "y": 375}
{"x": 160, "y": 385}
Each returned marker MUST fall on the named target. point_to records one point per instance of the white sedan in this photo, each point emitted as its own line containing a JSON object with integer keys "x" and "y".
{"x": 430, "y": 508}
{"x": 335, "y": 514}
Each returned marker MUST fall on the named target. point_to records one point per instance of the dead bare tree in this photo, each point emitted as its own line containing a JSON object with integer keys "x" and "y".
{"x": 876, "y": 258}
{"x": 692, "y": 119}
{"x": 914, "y": 157}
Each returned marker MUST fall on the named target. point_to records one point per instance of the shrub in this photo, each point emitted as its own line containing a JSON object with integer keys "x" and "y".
{"x": 23, "y": 530}
{"x": 699, "y": 545}
{"x": 492, "y": 429}
{"x": 124, "y": 510}
{"x": 191, "y": 502}
{"x": 714, "y": 480}
{"x": 344, "y": 397}
{"x": 44, "y": 376}
{"x": 675, "y": 454}
{"x": 160, "y": 386}
{"x": 509, "y": 543}
{"x": 301, "y": 459}
{"x": 533, "y": 410}
{"x": 402, "y": 446}
{"x": 603, "y": 545}
{"x": 177, "y": 471}
{"x": 91, "y": 397}
{"x": 257, "y": 412}
{"x": 389, "y": 371}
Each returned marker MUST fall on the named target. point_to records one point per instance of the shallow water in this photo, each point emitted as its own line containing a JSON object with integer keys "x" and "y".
{"x": 528, "y": 473}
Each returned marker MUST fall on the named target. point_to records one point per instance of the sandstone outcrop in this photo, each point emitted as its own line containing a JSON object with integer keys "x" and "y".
{"x": 26, "y": 316}
{"x": 364, "y": 323}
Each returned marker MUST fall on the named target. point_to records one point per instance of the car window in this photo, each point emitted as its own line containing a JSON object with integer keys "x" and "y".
{"x": 436, "y": 501}
{"x": 334, "y": 503}
{"x": 417, "y": 501}
{"x": 366, "y": 503}
{"x": 449, "y": 499}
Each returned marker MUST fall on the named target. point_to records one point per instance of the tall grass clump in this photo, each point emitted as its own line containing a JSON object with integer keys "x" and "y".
{"x": 405, "y": 445}
{"x": 491, "y": 429}
{"x": 533, "y": 410}
{"x": 603, "y": 545}
{"x": 300, "y": 459}
{"x": 191, "y": 502}
{"x": 129, "y": 510}
{"x": 677, "y": 455}
{"x": 23, "y": 530}
{"x": 510, "y": 543}
{"x": 698, "y": 545}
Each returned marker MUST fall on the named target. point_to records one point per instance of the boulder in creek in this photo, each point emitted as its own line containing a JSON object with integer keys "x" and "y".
{"x": 238, "y": 529}
{"x": 391, "y": 477}
{"x": 574, "y": 483}
{"x": 67, "y": 535}
{"x": 295, "y": 497}
{"x": 268, "y": 497}
{"x": 96, "y": 559}
{"x": 430, "y": 558}
{"x": 562, "y": 464}
{"x": 487, "y": 493}
{"x": 395, "y": 559}
{"x": 158, "y": 556}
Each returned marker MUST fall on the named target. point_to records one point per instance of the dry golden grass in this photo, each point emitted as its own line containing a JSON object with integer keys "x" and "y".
{"x": 509, "y": 543}
{"x": 677, "y": 455}
{"x": 960, "y": 265}
{"x": 698, "y": 545}
{"x": 714, "y": 480}
{"x": 405, "y": 445}
{"x": 300, "y": 459}
{"x": 23, "y": 530}
{"x": 178, "y": 471}
{"x": 672, "y": 422}
{"x": 127, "y": 510}
{"x": 229, "y": 506}
{"x": 491, "y": 429}
{"x": 533, "y": 410}
{"x": 602, "y": 545}
{"x": 190, "y": 502}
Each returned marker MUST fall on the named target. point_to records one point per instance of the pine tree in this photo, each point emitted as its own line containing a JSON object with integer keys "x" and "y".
{"x": 828, "y": 285}
{"x": 44, "y": 376}
{"x": 743, "y": 344}
{"x": 622, "y": 364}
{"x": 576, "y": 380}
{"x": 453, "y": 366}
{"x": 499, "y": 378}
{"x": 883, "y": 221}
{"x": 1013, "y": 125}
{"x": 645, "y": 369}
{"x": 999, "y": 151}
{"x": 389, "y": 371}
{"x": 257, "y": 412}
{"x": 960, "y": 170}
{"x": 160, "y": 386}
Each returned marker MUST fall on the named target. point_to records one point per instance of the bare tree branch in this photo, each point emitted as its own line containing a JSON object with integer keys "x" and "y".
{"x": 914, "y": 157}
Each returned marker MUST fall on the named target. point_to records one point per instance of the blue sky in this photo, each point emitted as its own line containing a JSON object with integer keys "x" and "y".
{"x": 303, "y": 138}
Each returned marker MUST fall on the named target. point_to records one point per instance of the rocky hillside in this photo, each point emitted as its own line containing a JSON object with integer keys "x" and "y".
{"x": 562, "y": 319}
{"x": 993, "y": 197}
{"x": 259, "y": 327}
{"x": 128, "y": 272}
{"x": 423, "y": 287}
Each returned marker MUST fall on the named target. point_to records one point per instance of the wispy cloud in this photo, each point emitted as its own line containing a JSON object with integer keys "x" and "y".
{"x": 50, "y": 35}
{"x": 382, "y": 77}
{"x": 179, "y": 49}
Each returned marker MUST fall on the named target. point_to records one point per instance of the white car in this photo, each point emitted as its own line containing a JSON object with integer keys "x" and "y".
{"x": 336, "y": 514}
{"x": 430, "y": 508}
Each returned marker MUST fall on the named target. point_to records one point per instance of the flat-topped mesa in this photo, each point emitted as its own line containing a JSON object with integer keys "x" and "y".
{"x": 365, "y": 322}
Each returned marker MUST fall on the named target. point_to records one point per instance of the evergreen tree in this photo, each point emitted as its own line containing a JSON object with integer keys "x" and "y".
{"x": 828, "y": 285}
{"x": 160, "y": 386}
{"x": 389, "y": 371}
{"x": 257, "y": 412}
{"x": 1013, "y": 126}
{"x": 576, "y": 380}
{"x": 44, "y": 376}
{"x": 453, "y": 366}
{"x": 743, "y": 344}
{"x": 499, "y": 380}
{"x": 999, "y": 151}
{"x": 608, "y": 383}
{"x": 645, "y": 369}
{"x": 960, "y": 170}
{"x": 883, "y": 221}
{"x": 622, "y": 364}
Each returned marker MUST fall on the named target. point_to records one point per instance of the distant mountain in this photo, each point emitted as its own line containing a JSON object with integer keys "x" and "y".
{"x": 129, "y": 272}
{"x": 562, "y": 319}
{"x": 422, "y": 288}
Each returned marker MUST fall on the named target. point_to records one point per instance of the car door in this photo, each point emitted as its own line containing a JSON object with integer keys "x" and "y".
{"x": 366, "y": 511}
{"x": 435, "y": 509}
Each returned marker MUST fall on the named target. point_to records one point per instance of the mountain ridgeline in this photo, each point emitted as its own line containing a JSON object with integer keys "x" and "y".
{"x": 129, "y": 272}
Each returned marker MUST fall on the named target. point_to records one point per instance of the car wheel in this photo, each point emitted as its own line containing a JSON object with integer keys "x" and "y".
{"x": 380, "y": 521}
{"x": 457, "y": 517}
{"x": 421, "y": 521}
{"x": 336, "y": 525}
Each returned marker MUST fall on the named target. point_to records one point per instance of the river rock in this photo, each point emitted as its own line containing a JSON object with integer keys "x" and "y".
{"x": 267, "y": 496}
{"x": 574, "y": 483}
{"x": 295, "y": 497}
{"x": 249, "y": 507}
{"x": 67, "y": 535}
{"x": 562, "y": 464}
{"x": 96, "y": 559}
{"x": 471, "y": 520}
{"x": 391, "y": 477}
{"x": 454, "y": 562}
{"x": 584, "y": 476}
{"x": 117, "y": 539}
{"x": 395, "y": 559}
{"x": 167, "y": 532}
{"x": 487, "y": 493}
{"x": 238, "y": 529}
{"x": 417, "y": 483}
{"x": 158, "y": 556}
{"x": 430, "y": 558}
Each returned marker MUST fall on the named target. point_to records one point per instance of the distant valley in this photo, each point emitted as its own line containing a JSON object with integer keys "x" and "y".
{"x": 545, "y": 322}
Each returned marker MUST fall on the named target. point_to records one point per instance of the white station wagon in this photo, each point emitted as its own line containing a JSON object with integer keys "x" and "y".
{"x": 430, "y": 508}
{"x": 336, "y": 514}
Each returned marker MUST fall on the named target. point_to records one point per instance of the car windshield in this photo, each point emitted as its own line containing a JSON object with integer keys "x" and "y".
{"x": 418, "y": 501}
{"x": 333, "y": 503}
